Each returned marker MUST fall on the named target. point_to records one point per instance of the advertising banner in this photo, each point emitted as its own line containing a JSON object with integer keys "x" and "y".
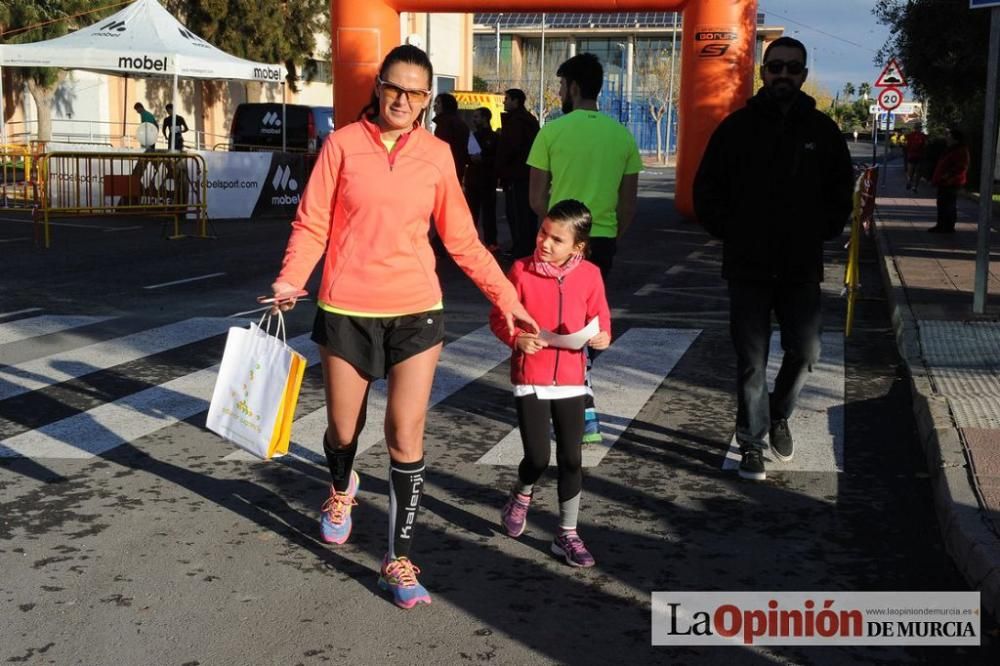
{"x": 247, "y": 185}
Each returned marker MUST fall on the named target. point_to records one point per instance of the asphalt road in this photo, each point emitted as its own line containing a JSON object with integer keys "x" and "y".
{"x": 131, "y": 535}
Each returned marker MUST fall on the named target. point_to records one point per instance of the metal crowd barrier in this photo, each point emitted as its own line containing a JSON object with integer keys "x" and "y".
{"x": 862, "y": 219}
{"x": 171, "y": 185}
{"x": 18, "y": 176}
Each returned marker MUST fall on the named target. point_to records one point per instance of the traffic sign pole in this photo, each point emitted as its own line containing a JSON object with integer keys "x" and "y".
{"x": 875, "y": 141}
{"x": 986, "y": 168}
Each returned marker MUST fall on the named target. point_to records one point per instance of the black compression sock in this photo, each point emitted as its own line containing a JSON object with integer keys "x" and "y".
{"x": 406, "y": 486}
{"x": 341, "y": 462}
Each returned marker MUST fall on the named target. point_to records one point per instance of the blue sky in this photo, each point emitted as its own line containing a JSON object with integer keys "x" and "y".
{"x": 842, "y": 36}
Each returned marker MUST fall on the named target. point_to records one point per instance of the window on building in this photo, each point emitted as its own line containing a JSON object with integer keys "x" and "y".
{"x": 655, "y": 44}
{"x": 317, "y": 71}
{"x": 556, "y": 51}
{"x": 444, "y": 84}
{"x": 612, "y": 57}
{"x": 484, "y": 57}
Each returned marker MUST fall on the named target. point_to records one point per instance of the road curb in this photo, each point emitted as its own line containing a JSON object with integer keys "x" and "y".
{"x": 969, "y": 541}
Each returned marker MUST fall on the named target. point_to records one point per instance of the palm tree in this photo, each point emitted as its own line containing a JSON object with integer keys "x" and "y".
{"x": 865, "y": 89}
{"x": 848, "y": 90}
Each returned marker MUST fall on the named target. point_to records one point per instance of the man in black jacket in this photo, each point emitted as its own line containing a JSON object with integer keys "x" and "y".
{"x": 775, "y": 182}
{"x": 518, "y": 129}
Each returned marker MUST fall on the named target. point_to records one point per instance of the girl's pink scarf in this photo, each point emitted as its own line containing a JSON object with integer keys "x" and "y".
{"x": 553, "y": 271}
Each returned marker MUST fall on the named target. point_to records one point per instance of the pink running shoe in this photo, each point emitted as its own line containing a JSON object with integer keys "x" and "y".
{"x": 399, "y": 576}
{"x": 570, "y": 546}
{"x": 514, "y": 514}
{"x": 336, "y": 522}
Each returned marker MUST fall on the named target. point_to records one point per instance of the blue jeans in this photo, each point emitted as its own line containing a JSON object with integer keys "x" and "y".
{"x": 797, "y": 309}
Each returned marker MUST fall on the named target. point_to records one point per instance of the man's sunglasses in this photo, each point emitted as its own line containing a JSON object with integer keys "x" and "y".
{"x": 393, "y": 91}
{"x": 793, "y": 67}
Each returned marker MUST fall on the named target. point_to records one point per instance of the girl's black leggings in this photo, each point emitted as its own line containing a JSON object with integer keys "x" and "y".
{"x": 566, "y": 415}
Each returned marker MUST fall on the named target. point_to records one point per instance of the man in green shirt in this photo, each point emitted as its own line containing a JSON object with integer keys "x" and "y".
{"x": 144, "y": 115}
{"x": 588, "y": 156}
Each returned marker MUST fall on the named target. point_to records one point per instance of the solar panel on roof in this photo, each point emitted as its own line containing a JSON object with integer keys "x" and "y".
{"x": 576, "y": 19}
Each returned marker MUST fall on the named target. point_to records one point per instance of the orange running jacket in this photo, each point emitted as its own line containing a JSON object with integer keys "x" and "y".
{"x": 370, "y": 211}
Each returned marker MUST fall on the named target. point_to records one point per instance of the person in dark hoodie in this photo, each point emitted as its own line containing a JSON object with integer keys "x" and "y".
{"x": 950, "y": 173}
{"x": 775, "y": 182}
{"x": 450, "y": 128}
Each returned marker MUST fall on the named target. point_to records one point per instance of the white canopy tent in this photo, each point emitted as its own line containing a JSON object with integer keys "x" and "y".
{"x": 143, "y": 39}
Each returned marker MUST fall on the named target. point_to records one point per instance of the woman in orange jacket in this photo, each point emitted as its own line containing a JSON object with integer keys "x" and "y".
{"x": 376, "y": 185}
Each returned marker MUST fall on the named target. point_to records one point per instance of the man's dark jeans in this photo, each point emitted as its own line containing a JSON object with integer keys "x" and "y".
{"x": 797, "y": 309}
{"x": 947, "y": 206}
{"x": 523, "y": 221}
{"x": 481, "y": 193}
{"x": 602, "y": 253}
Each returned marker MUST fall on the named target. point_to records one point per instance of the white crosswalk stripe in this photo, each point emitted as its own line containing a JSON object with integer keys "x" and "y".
{"x": 462, "y": 362}
{"x": 817, "y": 424}
{"x": 624, "y": 377}
{"x": 14, "y": 313}
{"x": 23, "y": 329}
{"x": 64, "y": 366}
{"x": 103, "y": 428}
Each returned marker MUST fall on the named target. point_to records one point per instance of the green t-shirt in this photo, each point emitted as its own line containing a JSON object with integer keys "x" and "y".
{"x": 147, "y": 117}
{"x": 587, "y": 153}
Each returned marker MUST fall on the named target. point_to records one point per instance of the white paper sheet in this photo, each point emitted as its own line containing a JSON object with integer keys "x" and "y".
{"x": 572, "y": 340}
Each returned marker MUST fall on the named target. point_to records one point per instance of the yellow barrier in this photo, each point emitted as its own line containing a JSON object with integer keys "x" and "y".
{"x": 861, "y": 218}
{"x": 18, "y": 178}
{"x": 172, "y": 185}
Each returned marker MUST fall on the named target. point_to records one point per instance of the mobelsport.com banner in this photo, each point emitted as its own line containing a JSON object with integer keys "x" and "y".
{"x": 248, "y": 185}
{"x": 816, "y": 618}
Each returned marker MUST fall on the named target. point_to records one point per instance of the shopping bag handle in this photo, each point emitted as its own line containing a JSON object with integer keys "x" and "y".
{"x": 279, "y": 329}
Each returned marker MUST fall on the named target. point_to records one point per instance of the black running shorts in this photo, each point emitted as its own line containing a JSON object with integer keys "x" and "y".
{"x": 375, "y": 344}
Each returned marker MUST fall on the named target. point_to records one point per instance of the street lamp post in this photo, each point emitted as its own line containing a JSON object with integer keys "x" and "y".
{"x": 498, "y": 50}
{"x": 621, "y": 83}
{"x": 541, "y": 78}
{"x": 670, "y": 88}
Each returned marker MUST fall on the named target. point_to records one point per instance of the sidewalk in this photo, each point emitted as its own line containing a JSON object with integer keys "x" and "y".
{"x": 954, "y": 362}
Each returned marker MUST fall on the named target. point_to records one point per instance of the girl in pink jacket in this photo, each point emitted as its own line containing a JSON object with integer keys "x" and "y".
{"x": 562, "y": 292}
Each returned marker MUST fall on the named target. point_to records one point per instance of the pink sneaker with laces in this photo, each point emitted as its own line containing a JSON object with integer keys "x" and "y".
{"x": 569, "y": 546}
{"x": 514, "y": 514}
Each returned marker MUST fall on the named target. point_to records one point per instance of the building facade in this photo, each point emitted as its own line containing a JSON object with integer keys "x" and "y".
{"x": 637, "y": 50}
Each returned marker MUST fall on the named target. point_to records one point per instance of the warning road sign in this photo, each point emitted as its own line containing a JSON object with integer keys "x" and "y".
{"x": 892, "y": 75}
{"x": 890, "y": 98}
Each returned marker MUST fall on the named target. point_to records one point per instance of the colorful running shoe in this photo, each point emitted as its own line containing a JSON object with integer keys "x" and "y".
{"x": 570, "y": 546}
{"x": 514, "y": 514}
{"x": 591, "y": 426}
{"x": 399, "y": 576}
{"x": 336, "y": 522}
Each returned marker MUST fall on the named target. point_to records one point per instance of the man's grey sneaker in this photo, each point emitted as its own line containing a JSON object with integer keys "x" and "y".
{"x": 782, "y": 445}
{"x": 752, "y": 465}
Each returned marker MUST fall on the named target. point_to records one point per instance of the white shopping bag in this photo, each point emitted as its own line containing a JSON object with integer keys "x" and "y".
{"x": 254, "y": 400}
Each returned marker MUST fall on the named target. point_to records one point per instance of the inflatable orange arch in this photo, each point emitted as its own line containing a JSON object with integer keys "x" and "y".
{"x": 717, "y": 54}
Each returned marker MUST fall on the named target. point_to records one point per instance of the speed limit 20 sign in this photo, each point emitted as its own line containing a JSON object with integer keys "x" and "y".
{"x": 890, "y": 98}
